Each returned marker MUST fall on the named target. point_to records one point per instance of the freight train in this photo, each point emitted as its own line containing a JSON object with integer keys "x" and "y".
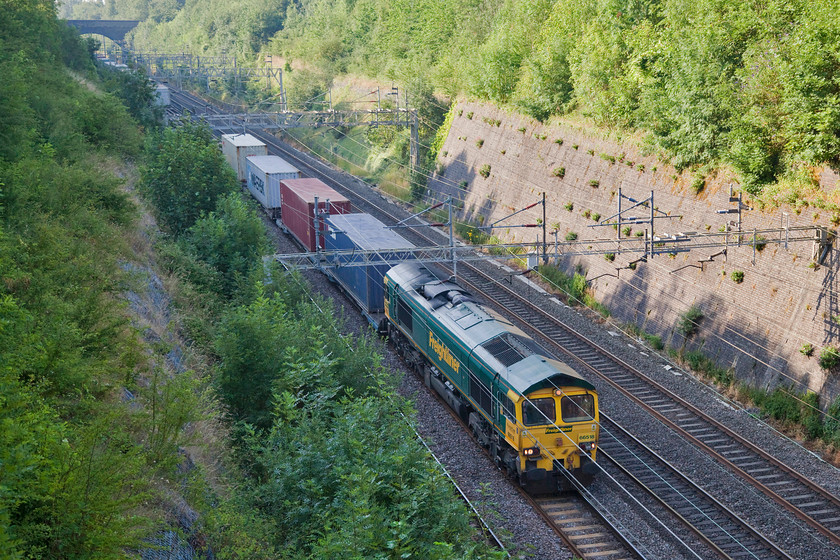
{"x": 538, "y": 417}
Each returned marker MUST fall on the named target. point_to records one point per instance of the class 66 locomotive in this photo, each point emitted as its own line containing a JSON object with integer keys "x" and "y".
{"x": 537, "y": 416}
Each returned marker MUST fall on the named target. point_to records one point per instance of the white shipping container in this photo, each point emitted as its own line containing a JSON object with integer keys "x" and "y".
{"x": 264, "y": 174}
{"x": 162, "y": 95}
{"x": 237, "y": 147}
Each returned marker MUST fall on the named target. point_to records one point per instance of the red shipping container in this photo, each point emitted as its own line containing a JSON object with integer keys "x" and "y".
{"x": 297, "y": 208}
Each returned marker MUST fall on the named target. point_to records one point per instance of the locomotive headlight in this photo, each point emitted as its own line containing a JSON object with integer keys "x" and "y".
{"x": 531, "y": 451}
{"x": 558, "y": 392}
{"x": 588, "y": 446}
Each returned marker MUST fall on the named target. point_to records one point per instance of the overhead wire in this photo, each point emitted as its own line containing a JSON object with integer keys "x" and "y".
{"x": 741, "y": 334}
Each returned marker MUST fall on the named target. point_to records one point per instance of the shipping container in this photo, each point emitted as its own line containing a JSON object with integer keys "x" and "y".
{"x": 162, "y": 95}
{"x": 237, "y": 147}
{"x": 363, "y": 232}
{"x": 297, "y": 208}
{"x": 264, "y": 174}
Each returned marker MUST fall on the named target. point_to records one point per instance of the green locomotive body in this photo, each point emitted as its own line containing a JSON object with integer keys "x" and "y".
{"x": 537, "y": 416}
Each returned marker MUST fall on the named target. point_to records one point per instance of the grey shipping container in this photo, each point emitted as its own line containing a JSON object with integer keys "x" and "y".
{"x": 237, "y": 147}
{"x": 264, "y": 174}
{"x": 363, "y": 232}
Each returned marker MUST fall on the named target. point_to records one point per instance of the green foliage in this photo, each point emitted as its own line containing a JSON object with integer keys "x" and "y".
{"x": 571, "y": 236}
{"x": 484, "y": 171}
{"x": 737, "y": 276}
{"x": 807, "y": 350}
{"x": 698, "y": 184}
{"x": 700, "y": 363}
{"x": 570, "y": 206}
{"x": 135, "y": 91}
{"x": 610, "y": 257}
{"x": 594, "y": 183}
{"x": 782, "y": 405}
{"x": 573, "y": 287}
{"x": 829, "y": 358}
{"x": 690, "y": 321}
{"x": 231, "y": 240}
{"x": 185, "y": 174}
{"x": 559, "y": 172}
{"x": 479, "y": 143}
{"x": 626, "y": 231}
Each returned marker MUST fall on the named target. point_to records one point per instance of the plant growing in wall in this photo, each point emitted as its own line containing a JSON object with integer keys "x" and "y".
{"x": 737, "y": 276}
{"x": 485, "y": 170}
{"x": 594, "y": 183}
{"x": 470, "y": 115}
{"x": 829, "y": 358}
{"x": 571, "y": 236}
{"x": 807, "y": 350}
{"x": 610, "y": 256}
{"x": 596, "y": 216}
{"x": 587, "y": 213}
{"x": 480, "y": 142}
{"x": 463, "y": 184}
{"x": 559, "y": 172}
{"x": 559, "y": 141}
{"x": 690, "y": 321}
{"x": 569, "y": 206}
{"x": 626, "y": 231}
{"x": 698, "y": 184}
{"x": 521, "y": 129}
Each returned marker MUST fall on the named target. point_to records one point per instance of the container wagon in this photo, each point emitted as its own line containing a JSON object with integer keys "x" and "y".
{"x": 364, "y": 283}
{"x": 264, "y": 174}
{"x": 298, "y": 208}
{"x": 237, "y": 147}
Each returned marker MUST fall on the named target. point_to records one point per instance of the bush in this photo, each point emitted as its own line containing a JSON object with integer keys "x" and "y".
{"x": 571, "y": 236}
{"x": 185, "y": 174}
{"x": 829, "y": 358}
{"x": 737, "y": 276}
{"x": 559, "y": 172}
{"x": 807, "y": 349}
{"x": 782, "y": 405}
{"x": 689, "y": 321}
{"x": 484, "y": 171}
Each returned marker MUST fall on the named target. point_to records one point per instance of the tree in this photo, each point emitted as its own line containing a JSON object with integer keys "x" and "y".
{"x": 185, "y": 175}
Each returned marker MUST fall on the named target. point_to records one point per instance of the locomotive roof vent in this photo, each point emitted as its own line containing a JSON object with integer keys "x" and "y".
{"x": 510, "y": 348}
{"x": 441, "y": 293}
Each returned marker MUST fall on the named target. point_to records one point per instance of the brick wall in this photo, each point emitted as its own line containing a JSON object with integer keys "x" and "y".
{"x": 757, "y": 326}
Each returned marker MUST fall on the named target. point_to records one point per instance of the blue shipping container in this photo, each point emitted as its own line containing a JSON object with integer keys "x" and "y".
{"x": 363, "y": 232}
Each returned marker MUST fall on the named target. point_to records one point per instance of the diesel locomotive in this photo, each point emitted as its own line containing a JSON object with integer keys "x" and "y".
{"x": 537, "y": 416}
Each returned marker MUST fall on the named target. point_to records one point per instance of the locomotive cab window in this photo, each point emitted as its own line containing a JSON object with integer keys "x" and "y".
{"x": 577, "y": 408}
{"x": 538, "y": 412}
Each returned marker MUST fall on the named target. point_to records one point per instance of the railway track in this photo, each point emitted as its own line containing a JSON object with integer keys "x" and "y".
{"x": 729, "y": 536}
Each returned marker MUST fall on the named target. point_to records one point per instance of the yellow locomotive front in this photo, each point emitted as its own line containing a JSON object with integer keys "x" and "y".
{"x": 554, "y": 428}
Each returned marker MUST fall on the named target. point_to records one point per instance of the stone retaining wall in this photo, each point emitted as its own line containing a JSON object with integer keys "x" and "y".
{"x": 758, "y": 326}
